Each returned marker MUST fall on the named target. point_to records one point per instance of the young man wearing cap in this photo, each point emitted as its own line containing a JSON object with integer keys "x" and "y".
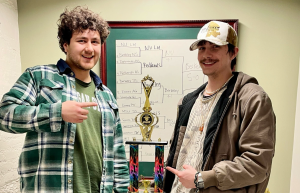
{"x": 224, "y": 136}
{"x": 74, "y": 139}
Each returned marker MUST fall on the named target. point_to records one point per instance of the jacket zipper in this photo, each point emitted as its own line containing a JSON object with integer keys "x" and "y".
{"x": 207, "y": 157}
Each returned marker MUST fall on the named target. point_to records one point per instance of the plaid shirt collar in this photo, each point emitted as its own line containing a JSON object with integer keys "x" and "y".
{"x": 64, "y": 68}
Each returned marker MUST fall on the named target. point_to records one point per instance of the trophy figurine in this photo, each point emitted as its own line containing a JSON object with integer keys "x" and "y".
{"x": 146, "y": 118}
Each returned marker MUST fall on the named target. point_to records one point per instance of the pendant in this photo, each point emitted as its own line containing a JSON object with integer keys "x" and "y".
{"x": 201, "y": 128}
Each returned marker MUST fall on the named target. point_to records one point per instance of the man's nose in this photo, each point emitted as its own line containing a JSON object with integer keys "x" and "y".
{"x": 89, "y": 48}
{"x": 207, "y": 53}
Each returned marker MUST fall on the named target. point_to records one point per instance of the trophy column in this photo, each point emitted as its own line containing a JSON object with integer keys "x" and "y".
{"x": 134, "y": 168}
{"x": 159, "y": 168}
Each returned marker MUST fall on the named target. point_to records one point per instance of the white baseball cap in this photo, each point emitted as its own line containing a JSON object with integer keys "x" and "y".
{"x": 216, "y": 32}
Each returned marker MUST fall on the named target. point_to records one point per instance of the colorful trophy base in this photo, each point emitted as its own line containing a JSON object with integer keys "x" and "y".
{"x": 158, "y": 168}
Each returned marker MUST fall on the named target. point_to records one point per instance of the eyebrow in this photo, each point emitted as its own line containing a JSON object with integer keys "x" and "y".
{"x": 83, "y": 37}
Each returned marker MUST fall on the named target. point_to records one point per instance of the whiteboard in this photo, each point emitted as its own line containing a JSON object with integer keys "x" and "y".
{"x": 176, "y": 72}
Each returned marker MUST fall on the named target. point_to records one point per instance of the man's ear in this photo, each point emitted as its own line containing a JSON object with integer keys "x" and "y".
{"x": 65, "y": 47}
{"x": 236, "y": 50}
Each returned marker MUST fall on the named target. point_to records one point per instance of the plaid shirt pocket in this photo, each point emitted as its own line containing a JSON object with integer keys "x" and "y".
{"x": 50, "y": 91}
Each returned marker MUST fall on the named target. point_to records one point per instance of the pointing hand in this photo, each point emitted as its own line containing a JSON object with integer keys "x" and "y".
{"x": 186, "y": 177}
{"x": 73, "y": 111}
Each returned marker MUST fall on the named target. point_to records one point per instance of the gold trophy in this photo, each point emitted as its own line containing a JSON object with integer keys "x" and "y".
{"x": 146, "y": 118}
{"x": 146, "y": 183}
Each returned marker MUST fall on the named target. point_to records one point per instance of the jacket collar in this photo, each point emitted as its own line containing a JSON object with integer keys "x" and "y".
{"x": 64, "y": 68}
{"x": 191, "y": 97}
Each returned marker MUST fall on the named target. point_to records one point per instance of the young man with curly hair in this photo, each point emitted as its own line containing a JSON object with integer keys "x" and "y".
{"x": 74, "y": 140}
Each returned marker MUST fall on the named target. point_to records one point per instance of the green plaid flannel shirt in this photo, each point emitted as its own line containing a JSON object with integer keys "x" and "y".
{"x": 33, "y": 106}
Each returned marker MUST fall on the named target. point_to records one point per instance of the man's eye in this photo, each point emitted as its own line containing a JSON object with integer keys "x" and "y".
{"x": 201, "y": 48}
{"x": 216, "y": 46}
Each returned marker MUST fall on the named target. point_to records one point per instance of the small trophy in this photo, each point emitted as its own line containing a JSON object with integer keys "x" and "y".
{"x": 146, "y": 118}
{"x": 146, "y": 184}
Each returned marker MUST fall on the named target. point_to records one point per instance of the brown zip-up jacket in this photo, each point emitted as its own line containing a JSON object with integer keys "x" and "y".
{"x": 240, "y": 140}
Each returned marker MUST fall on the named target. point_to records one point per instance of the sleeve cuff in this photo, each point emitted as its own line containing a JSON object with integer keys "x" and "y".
{"x": 209, "y": 178}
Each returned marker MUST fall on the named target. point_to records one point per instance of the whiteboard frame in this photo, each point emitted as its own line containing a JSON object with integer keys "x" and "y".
{"x": 153, "y": 24}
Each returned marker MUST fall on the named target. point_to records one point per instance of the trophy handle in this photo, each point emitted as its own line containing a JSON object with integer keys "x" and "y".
{"x": 137, "y": 121}
{"x": 157, "y": 119}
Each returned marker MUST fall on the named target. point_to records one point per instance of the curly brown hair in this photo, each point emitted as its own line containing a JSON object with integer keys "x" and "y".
{"x": 80, "y": 19}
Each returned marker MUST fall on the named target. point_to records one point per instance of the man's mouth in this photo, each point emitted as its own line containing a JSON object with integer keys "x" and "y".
{"x": 210, "y": 62}
{"x": 88, "y": 57}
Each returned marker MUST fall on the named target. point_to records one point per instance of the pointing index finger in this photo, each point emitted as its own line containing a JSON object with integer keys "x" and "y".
{"x": 88, "y": 104}
{"x": 174, "y": 171}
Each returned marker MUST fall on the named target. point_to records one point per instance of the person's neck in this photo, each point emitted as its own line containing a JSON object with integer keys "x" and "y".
{"x": 215, "y": 83}
{"x": 84, "y": 77}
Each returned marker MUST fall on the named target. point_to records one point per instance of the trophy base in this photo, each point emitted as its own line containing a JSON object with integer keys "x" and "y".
{"x": 134, "y": 166}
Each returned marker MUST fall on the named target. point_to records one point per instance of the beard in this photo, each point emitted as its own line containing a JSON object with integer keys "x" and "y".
{"x": 79, "y": 66}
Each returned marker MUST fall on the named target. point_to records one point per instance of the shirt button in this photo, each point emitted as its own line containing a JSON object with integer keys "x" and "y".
{"x": 72, "y": 74}
{"x": 69, "y": 181}
{"x": 70, "y": 161}
{"x": 73, "y": 86}
{"x": 71, "y": 141}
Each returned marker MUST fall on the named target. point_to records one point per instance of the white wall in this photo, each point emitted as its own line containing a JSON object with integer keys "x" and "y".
{"x": 10, "y": 65}
{"x": 295, "y": 176}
